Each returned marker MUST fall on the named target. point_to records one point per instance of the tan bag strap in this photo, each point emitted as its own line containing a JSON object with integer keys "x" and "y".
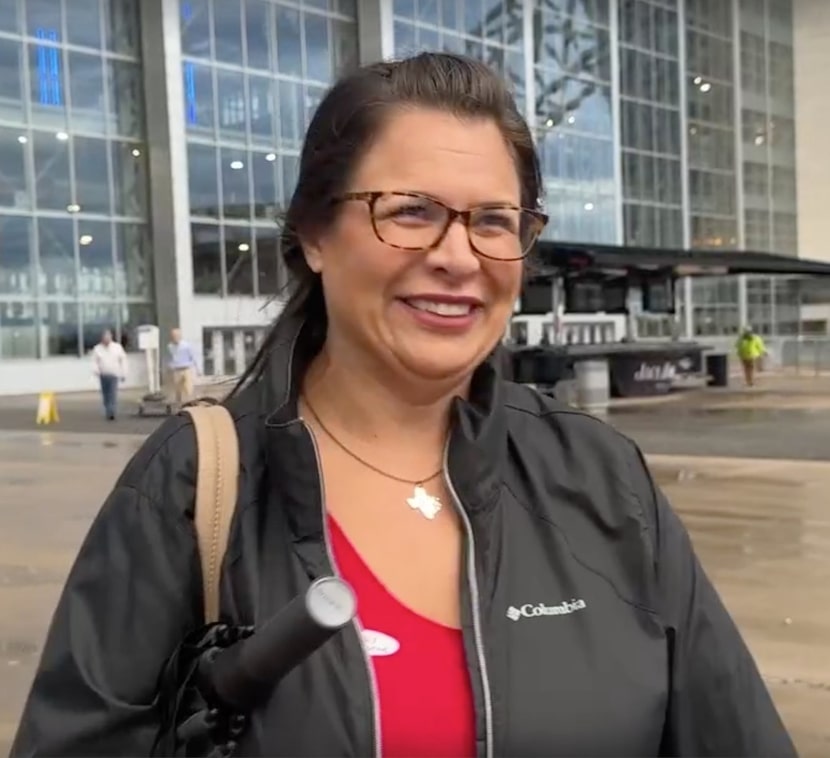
{"x": 216, "y": 492}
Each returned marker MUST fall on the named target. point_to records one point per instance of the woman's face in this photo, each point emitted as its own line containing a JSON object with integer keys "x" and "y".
{"x": 435, "y": 314}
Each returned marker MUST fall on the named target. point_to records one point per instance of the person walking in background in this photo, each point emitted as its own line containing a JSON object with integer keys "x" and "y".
{"x": 751, "y": 349}
{"x": 110, "y": 366}
{"x": 182, "y": 365}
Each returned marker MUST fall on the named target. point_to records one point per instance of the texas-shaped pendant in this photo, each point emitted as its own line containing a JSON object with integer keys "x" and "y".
{"x": 421, "y": 500}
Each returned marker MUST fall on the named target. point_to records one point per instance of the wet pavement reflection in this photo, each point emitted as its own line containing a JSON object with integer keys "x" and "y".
{"x": 761, "y": 528}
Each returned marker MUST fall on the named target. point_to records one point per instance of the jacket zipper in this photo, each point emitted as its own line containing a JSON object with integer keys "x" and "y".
{"x": 472, "y": 583}
{"x": 370, "y": 671}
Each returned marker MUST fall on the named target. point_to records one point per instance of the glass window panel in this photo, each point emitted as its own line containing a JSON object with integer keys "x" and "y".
{"x": 47, "y": 86}
{"x": 56, "y": 250}
{"x": 43, "y": 19}
{"x": 86, "y": 88}
{"x": 18, "y": 334}
{"x": 430, "y": 39}
{"x": 133, "y": 261}
{"x": 268, "y": 260}
{"x": 235, "y": 173}
{"x": 263, "y": 109}
{"x": 11, "y": 71}
{"x": 344, "y": 46}
{"x": 645, "y": 127}
{"x": 449, "y": 14}
{"x": 207, "y": 259}
{"x": 121, "y": 27}
{"x": 14, "y": 192}
{"x": 239, "y": 267}
{"x": 667, "y": 82}
{"x": 289, "y": 48}
{"x": 257, "y": 38}
{"x": 347, "y": 8}
{"x": 427, "y": 11}
{"x": 227, "y": 31}
{"x": 404, "y": 8}
{"x": 667, "y": 137}
{"x": 126, "y": 98}
{"x": 129, "y": 170}
{"x": 9, "y": 18}
{"x": 198, "y": 98}
{"x": 317, "y": 48}
{"x": 405, "y": 38}
{"x": 195, "y": 25}
{"x": 16, "y": 268}
{"x": 51, "y": 159}
{"x": 290, "y": 171}
{"x": 92, "y": 185}
{"x": 267, "y": 199}
{"x": 204, "y": 185}
{"x": 232, "y": 105}
{"x": 59, "y": 329}
{"x": 97, "y": 318}
{"x": 83, "y": 23}
{"x": 291, "y": 131}
{"x": 473, "y": 17}
{"x": 97, "y": 273}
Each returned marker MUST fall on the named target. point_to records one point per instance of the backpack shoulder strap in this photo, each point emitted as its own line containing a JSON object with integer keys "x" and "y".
{"x": 216, "y": 493}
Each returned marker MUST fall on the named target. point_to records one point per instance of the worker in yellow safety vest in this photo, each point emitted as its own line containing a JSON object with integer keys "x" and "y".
{"x": 751, "y": 349}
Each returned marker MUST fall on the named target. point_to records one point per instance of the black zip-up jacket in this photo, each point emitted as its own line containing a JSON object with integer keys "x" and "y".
{"x": 590, "y": 627}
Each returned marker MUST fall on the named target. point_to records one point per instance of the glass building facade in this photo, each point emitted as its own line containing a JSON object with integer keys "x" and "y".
{"x": 253, "y": 73}
{"x": 666, "y": 123}
{"x": 74, "y": 257}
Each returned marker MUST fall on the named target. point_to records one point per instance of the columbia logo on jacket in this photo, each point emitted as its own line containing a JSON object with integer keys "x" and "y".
{"x": 528, "y": 610}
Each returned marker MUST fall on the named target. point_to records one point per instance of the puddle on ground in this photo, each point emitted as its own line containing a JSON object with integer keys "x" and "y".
{"x": 725, "y": 412}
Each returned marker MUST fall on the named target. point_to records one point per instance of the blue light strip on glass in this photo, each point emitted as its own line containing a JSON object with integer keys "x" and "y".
{"x": 189, "y": 74}
{"x": 190, "y": 92}
{"x": 49, "y": 70}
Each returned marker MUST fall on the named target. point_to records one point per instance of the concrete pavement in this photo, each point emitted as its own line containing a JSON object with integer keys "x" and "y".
{"x": 784, "y": 417}
{"x": 762, "y": 529}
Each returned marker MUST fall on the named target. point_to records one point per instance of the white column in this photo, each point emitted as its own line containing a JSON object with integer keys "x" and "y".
{"x": 529, "y": 75}
{"x": 169, "y": 191}
{"x": 739, "y": 155}
{"x": 616, "y": 116}
{"x": 688, "y": 297}
{"x": 376, "y": 31}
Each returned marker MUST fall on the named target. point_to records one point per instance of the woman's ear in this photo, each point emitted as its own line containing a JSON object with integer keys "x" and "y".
{"x": 313, "y": 254}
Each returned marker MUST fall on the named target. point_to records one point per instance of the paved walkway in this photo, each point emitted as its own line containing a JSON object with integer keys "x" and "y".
{"x": 784, "y": 417}
{"x": 762, "y": 529}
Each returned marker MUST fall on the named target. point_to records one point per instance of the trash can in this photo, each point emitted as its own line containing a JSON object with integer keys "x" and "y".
{"x": 717, "y": 369}
{"x": 593, "y": 385}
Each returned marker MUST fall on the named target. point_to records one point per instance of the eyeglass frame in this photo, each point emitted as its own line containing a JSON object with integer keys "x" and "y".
{"x": 371, "y": 197}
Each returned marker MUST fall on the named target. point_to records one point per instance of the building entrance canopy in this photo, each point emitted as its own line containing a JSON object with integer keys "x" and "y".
{"x": 558, "y": 258}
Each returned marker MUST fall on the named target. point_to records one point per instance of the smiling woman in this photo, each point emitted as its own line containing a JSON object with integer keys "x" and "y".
{"x": 523, "y": 587}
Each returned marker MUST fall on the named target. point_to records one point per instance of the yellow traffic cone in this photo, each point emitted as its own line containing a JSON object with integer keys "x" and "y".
{"x": 47, "y": 409}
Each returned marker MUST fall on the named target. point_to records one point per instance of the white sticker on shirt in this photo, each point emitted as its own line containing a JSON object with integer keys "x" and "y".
{"x": 380, "y": 644}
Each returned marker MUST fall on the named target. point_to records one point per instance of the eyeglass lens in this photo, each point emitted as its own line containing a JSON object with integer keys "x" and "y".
{"x": 417, "y": 223}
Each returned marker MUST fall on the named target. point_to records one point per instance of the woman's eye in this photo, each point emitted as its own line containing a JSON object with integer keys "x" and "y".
{"x": 496, "y": 221}
{"x": 415, "y": 210}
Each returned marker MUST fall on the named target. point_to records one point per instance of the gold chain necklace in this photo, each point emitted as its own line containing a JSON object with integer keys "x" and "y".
{"x": 427, "y": 505}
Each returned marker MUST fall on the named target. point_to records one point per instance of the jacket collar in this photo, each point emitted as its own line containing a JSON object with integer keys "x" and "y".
{"x": 476, "y": 450}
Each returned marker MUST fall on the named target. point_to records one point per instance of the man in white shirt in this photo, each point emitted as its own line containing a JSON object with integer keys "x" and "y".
{"x": 110, "y": 366}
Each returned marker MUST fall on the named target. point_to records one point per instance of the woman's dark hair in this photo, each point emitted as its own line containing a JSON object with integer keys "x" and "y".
{"x": 343, "y": 127}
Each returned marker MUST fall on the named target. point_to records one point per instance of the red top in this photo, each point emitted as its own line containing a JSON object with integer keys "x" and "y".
{"x": 426, "y": 702}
